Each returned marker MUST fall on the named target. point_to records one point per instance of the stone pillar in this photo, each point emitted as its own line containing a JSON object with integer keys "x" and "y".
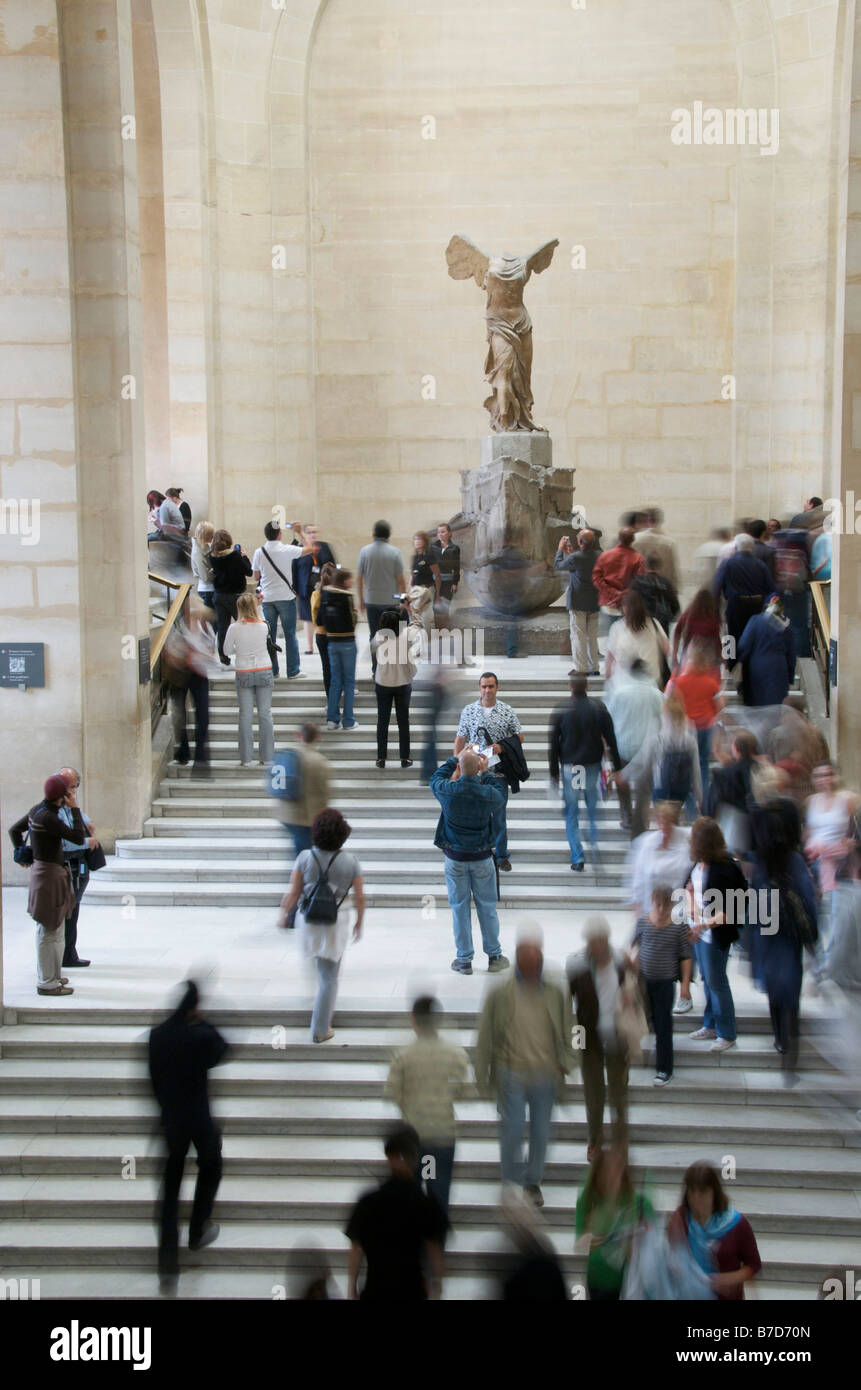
{"x": 96, "y": 47}
{"x": 846, "y": 566}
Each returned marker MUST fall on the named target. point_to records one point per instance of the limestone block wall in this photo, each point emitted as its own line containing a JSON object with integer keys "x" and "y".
{"x": 39, "y": 541}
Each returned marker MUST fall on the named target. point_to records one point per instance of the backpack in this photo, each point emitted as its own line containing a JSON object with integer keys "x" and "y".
{"x": 791, "y": 570}
{"x": 330, "y": 613}
{"x": 319, "y": 906}
{"x": 675, "y": 777}
{"x": 285, "y": 775}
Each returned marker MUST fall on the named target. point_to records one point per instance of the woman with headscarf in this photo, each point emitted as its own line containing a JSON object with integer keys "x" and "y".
{"x": 766, "y": 650}
{"x": 719, "y": 1238}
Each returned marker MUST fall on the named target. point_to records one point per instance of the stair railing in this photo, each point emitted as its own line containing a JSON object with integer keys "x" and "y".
{"x": 158, "y": 684}
{"x": 820, "y": 592}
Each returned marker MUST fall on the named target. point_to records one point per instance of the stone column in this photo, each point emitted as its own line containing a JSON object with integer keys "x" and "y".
{"x": 96, "y": 47}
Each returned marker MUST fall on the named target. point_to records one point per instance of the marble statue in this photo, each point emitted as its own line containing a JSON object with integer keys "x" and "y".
{"x": 508, "y": 366}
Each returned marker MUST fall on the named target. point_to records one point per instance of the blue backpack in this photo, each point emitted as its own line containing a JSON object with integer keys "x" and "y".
{"x": 285, "y": 775}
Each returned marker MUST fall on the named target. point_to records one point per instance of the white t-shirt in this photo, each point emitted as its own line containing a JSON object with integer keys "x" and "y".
{"x": 246, "y": 640}
{"x": 627, "y": 646}
{"x": 274, "y": 588}
{"x": 607, "y": 989}
{"x": 697, "y": 881}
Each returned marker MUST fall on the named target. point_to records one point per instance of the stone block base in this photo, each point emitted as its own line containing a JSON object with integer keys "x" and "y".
{"x": 542, "y": 634}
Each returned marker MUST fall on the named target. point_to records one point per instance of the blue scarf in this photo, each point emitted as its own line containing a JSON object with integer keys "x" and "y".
{"x": 702, "y": 1238}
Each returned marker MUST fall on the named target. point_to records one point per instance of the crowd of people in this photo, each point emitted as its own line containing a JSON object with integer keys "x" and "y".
{"x": 743, "y": 844}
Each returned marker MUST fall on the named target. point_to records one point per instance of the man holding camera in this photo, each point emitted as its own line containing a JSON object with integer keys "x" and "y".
{"x": 483, "y": 725}
{"x": 470, "y": 797}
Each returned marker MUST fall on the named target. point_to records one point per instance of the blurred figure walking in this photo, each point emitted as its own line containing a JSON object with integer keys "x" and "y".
{"x": 182, "y": 1050}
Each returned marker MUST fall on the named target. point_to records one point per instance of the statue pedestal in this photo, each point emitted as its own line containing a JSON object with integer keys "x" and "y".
{"x": 515, "y": 507}
{"x": 527, "y": 446}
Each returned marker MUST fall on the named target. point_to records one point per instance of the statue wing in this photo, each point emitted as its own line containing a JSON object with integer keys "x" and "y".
{"x": 465, "y": 259}
{"x": 540, "y": 259}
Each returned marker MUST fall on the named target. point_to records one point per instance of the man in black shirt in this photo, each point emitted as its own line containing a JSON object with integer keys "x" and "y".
{"x": 181, "y": 1052}
{"x": 447, "y": 555}
{"x": 579, "y": 733}
{"x": 393, "y": 1227}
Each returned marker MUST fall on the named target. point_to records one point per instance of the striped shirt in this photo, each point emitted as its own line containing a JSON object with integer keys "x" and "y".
{"x": 661, "y": 948}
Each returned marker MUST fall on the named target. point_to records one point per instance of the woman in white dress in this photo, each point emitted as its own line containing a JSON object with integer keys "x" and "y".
{"x": 636, "y": 637}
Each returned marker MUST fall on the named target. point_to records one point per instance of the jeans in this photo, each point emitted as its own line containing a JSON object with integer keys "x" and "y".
{"x": 324, "y": 1004}
{"x": 719, "y": 1012}
{"x": 207, "y": 598}
{"x": 594, "y": 1060}
{"x": 342, "y": 660}
{"x": 285, "y": 609}
{"x": 198, "y": 688}
{"x": 516, "y": 1091}
{"x": 386, "y": 695}
{"x": 256, "y": 686}
{"x": 498, "y": 825}
{"x": 207, "y": 1145}
{"x": 571, "y": 792}
{"x": 79, "y": 883}
{"x": 323, "y": 648}
{"x": 443, "y": 1160}
{"x": 466, "y": 879}
{"x": 225, "y": 614}
{"x": 784, "y": 1022}
{"x": 661, "y": 995}
{"x": 704, "y": 743}
{"x": 300, "y": 835}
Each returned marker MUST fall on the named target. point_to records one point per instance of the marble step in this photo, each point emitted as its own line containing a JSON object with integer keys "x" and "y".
{"x": 399, "y": 831}
{"x": 25, "y": 1245}
{"x": 376, "y": 872}
{"x": 651, "y": 1123}
{"x": 240, "y": 895}
{"x": 279, "y": 846}
{"x": 100, "y": 1134}
{"x": 253, "y": 1282}
{"x": 324, "y": 1199}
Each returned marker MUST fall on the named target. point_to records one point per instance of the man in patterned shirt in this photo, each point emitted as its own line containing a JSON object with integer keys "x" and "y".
{"x": 483, "y": 724}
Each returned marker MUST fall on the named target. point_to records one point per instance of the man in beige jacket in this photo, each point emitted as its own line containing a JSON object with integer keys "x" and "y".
{"x": 522, "y": 1057}
{"x": 315, "y": 789}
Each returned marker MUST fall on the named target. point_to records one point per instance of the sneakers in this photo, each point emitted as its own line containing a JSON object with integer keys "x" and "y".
{"x": 332, "y": 726}
{"x": 74, "y": 965}
{"x": 722, "y": 1045}
{"x": 381, "y": 762}
{"x": 497, "y": 963}
{"x": 535, "y": 1195}
{"x": 210, "y": 1233}
{"x": 683, "y": 1006}
{"x": 662, "y": 1078}
{"x": 348, "y": 728}
{"x": 505, "y": 865}
{"x": 406, "y": 762}
{"x": 61, "y": 989}
{"x": 702, "y": 1033}
{"x": 299, "y": 676}
{"x": 577, "y": 868}
{"x": 462, "y": 967}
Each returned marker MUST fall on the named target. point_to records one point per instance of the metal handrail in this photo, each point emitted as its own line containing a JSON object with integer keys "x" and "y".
{"x": 164, "y": 631}
{"x": 821, "y": 631}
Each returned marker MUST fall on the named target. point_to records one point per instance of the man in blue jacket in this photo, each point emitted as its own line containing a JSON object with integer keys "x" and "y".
{"x": 468, "y": 796}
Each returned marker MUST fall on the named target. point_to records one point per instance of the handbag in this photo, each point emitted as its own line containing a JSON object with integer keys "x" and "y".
{"x": 630, "y": 1018}
{"x": 23, "y": 854}
{"x": 797, "y": 921}
{"x": 95, "y": 859}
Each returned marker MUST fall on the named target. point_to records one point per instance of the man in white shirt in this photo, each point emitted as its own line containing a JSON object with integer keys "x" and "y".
{"x": 272, "y": 565}
{"x": 484, "y": 723}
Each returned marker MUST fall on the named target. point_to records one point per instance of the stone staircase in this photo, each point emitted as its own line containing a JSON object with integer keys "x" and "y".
{"x": 302, "y": 1132}
{"x": 302, "y": 1124}
{"x": 216, "y": 843}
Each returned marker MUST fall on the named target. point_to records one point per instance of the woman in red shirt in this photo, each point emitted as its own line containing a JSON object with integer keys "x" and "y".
{"x": 720, "y": 1239}
{"x": 698, "y": 686}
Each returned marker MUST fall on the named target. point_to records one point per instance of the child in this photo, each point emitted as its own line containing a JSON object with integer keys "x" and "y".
{"x": 661, "y": 944}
